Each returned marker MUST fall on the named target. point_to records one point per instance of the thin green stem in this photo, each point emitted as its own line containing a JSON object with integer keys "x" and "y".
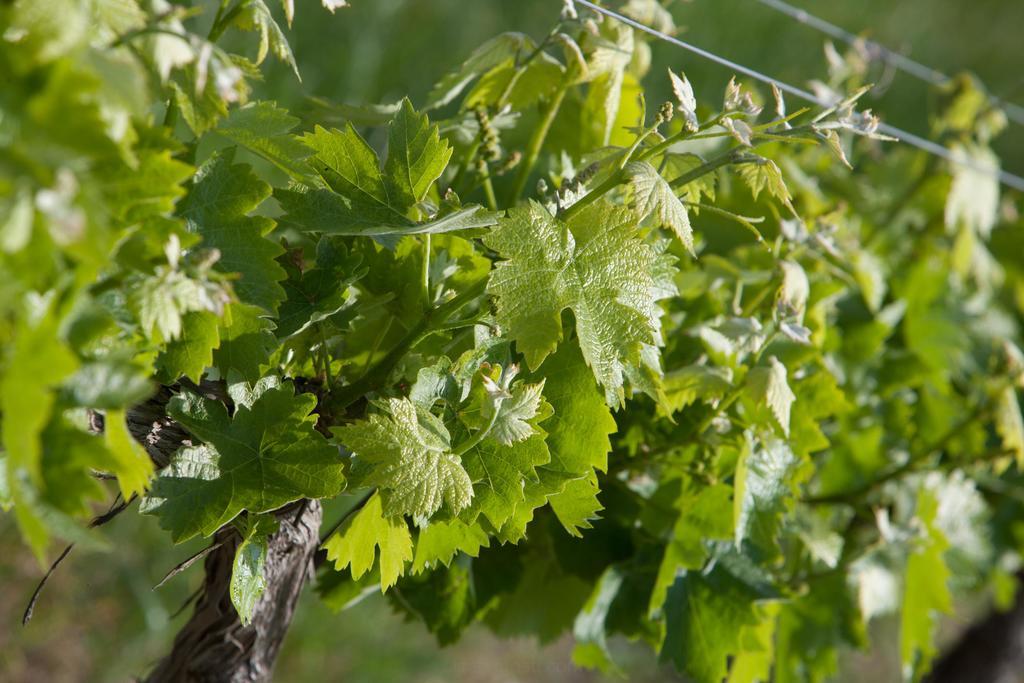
{"x": 520, "y": 68}
{"x": 482, "y": 319}
{"x": 492, "y": 201}
{"x": 733, "y": 155}
{"x": 759, "y": 298}
{"x": 171, "y": 115}
{"x": 145, "y": 31}
{"x": 223, "y": 19}
{"x": 613, "y": 181}
{"x": 742, "y": 220}
{"x": 536, "y": 143}
{"x": 681, "y": 136}
{"x": 325, "y": 356}
{"x": 425, "y": 274}
{"x": 471, "y": 151}
{"x": 480, "y": 435}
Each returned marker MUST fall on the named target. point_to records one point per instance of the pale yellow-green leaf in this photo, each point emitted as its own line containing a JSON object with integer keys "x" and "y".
{"x": 685, "y": 99}
{"x": 408, "y": 456}
{"x": 768, "y": 386}
{"x": 1009, "y": 423}
{"x": 973, "y": 199}
{"x": 652, "y": 195}
{"x": 356, "y": 542}
{"x": 133, "y": 466}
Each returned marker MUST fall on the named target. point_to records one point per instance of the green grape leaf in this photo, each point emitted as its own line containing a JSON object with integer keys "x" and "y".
{"x": 247, "y": 580}
{"x": 318, "y": 293}
{"x": 364, "y": 199}
{"x": 407, "y": 454}
{"x": 351, "y": 169}
{"x": 436, "y": 382}
{"x": 441, "y": 541}
{"x": 693, "y": 383}
{"x": 578, "y": 434}
{"x": 443, "y": 599}
{"x": 653, "y": 196}
{"x": 151, "y": 188}
{"x": 201, "y": 111}
{"x": 264, "y": 456}
{"x": 500, "y": 473}
{"x": 486, "y": 57}
{"x": 704, "y": 616}
{"x": 819, "y": 396}
{"x": 416, "y": 155}
{"x": 512, "y": 423}
{"x": 36, "y": 362}
{"x": 591, "y": 648}
{"x": 677, "y": 165}
{"x": 753, "y": 662}
{"x": 576, "y": 505}
{"x": 581, "y": 424}
{"x": 256, "y": 16}
{"x": 607, "y": 68}
{"x": 354, "y": 544}
{"x": 327, "y": 212}
{"x": 768, "y": 386}
{"x": 161, "y": 300}
{"x": 339, "y": 590}
{"x": 191, "y": 353}
{"x": 111, "y": 382}
{"x": 216, "y": 208}
{"x": 536, "y": 493}
{"x": 595, "y": 266}
{"x": 765, "y": 175}
{"x": 518, "y": 86}
{"x": 543, "y": 603}
{"x": 765, "y": 490}
{"x": 245, "y": 342}
{"x": 831, "y": 140}
{"x": 705, "y": 514}
{"x": 264, "y": 129}
{"x": 926, "y": 590}
{"x": 811, "y": 628}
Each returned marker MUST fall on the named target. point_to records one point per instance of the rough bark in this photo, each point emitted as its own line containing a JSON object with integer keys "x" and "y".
{"x": 992, "y": 650}
{"x": 213, "y": 646}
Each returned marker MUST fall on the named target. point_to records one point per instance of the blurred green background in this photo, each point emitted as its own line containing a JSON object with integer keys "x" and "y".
{"x": 380, "y": 50}
{"x": 100, "y": 620}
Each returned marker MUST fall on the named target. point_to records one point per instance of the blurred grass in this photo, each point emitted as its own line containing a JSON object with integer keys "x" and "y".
{"x": 99, "y": 620}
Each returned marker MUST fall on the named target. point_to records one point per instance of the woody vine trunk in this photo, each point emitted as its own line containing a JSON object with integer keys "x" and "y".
{"x": 214, "y": 646}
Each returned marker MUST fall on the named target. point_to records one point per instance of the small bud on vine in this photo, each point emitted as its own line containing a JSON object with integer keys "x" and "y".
{"x": 665, "y": 113}
{"x": 510, "y": 162}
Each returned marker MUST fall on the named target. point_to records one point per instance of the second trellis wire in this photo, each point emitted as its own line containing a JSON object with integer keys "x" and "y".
{"x": 923, "y": 72}
{"x": 1005, "y": 177}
